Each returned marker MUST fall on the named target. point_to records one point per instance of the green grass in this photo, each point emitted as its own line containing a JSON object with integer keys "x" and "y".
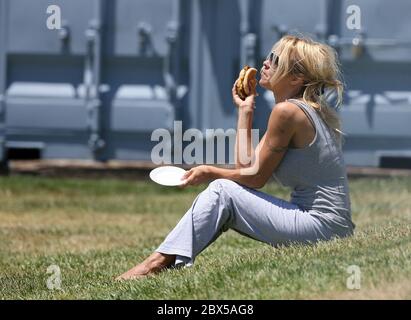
{"x": 96, "y": 229}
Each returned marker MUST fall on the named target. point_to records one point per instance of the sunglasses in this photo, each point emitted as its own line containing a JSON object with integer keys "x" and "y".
{"x": 273, "y": 58}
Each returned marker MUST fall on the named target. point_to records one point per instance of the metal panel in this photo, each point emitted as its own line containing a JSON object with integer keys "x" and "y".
{"x": 29, "y": 33}
{"x": 37, "y": 101}
{"x": 140, "y": 27}
{"x": 3, "y": 73}
{"x": 377, "y": 110}
{"x": 144, "y": 115}
{"x": 283, "y": 16}
{"x": 141, "y": 70}
{"x": 23, "y": 113}
{"x": 52, "y": 81}
{"x": 120, "y": 69}
{"x": 214, "y": 64}
{"x": 384, "y": 37}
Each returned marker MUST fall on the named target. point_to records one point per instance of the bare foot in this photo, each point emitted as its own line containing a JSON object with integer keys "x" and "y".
{"x": 152, "y": 265}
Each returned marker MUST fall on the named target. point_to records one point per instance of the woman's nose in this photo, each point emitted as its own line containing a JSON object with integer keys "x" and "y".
{"x": 266, "y": 64}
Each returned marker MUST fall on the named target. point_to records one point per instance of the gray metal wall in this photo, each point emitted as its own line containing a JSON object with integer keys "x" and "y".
{"x": 119, "y": 69}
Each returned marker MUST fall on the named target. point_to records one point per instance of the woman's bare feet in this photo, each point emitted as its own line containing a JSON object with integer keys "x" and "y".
{"x": 153, "y": 264}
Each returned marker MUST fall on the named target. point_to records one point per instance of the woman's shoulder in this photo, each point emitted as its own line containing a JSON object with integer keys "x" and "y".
{"x": 286, "y": 105}
{"x": 291, "y": 111}
{"x": 286, "y": 110}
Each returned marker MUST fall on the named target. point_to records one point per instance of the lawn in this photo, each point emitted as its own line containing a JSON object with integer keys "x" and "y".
{"x": 96, "y": 229}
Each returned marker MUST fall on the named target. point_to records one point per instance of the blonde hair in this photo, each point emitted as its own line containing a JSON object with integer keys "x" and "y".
{"x": 318, "y": 65}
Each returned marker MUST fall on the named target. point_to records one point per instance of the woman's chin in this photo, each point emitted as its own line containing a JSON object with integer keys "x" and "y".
{"x": 262, "y": 83}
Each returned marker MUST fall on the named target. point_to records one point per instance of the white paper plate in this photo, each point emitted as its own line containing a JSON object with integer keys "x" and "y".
{"x": 167, "y": 175}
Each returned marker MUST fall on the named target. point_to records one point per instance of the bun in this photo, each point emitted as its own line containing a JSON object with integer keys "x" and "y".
{"x": 246, "y": 82}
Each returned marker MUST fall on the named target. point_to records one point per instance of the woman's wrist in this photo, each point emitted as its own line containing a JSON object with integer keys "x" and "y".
{"x": 217, "y": 173}
{"x": 247, "y": 112}
{"x": 223, "y": 173}
{"x": 211, "y": 172}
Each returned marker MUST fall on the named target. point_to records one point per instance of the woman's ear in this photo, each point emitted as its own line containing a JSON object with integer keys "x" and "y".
{"x": 297, "y": 80}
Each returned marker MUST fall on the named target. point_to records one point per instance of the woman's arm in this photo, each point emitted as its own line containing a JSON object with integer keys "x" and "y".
{"x": 269, "y": 153}
{"x": 243, "y": 150}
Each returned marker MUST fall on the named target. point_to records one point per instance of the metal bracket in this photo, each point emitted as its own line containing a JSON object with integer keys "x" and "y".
{"x": 64, "y": 33}
{"x": 359, "y": 43}
{"x": 357, "y": 48}
{"x": 92, "y": 84}
{"x": 169, "y": 79}
{"x": 95, "y": 143}
{"x": 144, "y": 31}
{"x": 2, "y": 103}
{"x": 4, "y": 11}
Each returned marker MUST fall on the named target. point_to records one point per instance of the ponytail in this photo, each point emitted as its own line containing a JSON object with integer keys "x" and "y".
{"x": 317, "y": 94}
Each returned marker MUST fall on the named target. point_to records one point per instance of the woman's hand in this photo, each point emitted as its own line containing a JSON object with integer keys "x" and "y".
{"x": 246, "y": 105}
{"x": 196, "y": 176}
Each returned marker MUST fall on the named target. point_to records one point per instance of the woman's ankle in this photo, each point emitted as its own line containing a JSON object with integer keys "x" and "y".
{"x": 160, "y": 260}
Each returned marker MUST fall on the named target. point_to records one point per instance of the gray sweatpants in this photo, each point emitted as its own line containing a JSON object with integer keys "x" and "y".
{"x": 228, "y": 205}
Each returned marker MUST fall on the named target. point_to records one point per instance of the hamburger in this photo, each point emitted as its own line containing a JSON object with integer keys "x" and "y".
{"x": 246, "y": 82}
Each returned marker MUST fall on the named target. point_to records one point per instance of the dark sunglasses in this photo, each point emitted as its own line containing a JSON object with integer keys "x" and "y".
{"x": 273, "y": 58}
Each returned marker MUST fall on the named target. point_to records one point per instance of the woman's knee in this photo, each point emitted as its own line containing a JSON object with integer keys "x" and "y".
{"x": 222, "y": 191}
{"x": 226, "y": 191}
{"x": 223, "y": 185}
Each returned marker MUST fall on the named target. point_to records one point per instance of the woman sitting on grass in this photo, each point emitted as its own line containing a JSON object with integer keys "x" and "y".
{"x": 301, "y": 149}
